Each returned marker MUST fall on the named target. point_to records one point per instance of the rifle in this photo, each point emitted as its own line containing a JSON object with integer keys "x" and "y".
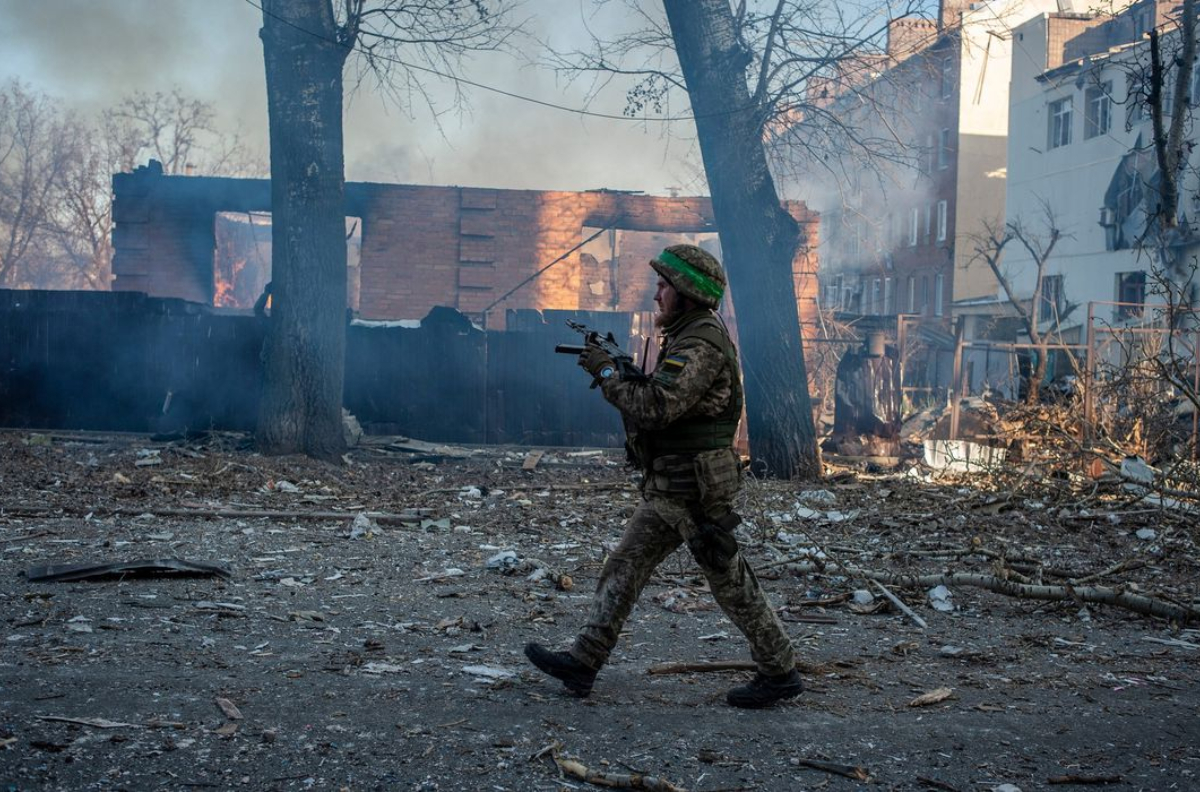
{"x": 626, "y": 368}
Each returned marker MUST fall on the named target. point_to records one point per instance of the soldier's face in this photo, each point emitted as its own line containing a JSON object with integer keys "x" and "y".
{"x": 668, "y": 302}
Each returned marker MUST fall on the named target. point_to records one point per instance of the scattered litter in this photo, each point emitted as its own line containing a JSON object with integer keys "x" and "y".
{"x": 95, "y": 723}
{"x": 863, "y": 597}
{"x": 960, "y": 456}
{"x": 362, "y": 526}
{"x": 1146, "y": 533}
{"x": 229, "y": 708}
{"x": 445, "y": 573}
{"x": 285, "y": 486}
{"x": 382, "y": 668}
{"x": 158, "y": 566}
{"x": 487, "y": 672}
{"x": 505, "y": 559}
{"x": 932, "y": 697}
{"x": 939, "y": 599}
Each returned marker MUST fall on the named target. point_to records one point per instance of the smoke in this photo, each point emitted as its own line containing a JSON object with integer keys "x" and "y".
{"x": 92, "y": 53}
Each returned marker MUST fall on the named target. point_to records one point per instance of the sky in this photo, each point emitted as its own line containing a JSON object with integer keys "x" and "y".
{"x": 90, "y": 53}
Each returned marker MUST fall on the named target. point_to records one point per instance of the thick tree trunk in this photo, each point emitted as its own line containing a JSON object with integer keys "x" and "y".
{"x": 304, "y": 356}
{"x": 758, "y": 237}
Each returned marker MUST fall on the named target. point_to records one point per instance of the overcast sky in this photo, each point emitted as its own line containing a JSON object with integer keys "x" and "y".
{"x": 89, "y": 53}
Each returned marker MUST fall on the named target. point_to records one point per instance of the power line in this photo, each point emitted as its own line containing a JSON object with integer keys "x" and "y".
{"x": 472, "y": 83}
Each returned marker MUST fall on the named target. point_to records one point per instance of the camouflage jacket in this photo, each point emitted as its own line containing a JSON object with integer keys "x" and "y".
{"x": 693, "y": 378}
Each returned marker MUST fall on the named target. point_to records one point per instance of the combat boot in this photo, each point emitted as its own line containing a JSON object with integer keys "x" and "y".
{"x": 576, "y": 677}
{"x": 763, "y": 690}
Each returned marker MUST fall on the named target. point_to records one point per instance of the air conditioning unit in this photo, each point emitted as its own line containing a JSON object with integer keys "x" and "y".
{"x": 1108, "y": 217}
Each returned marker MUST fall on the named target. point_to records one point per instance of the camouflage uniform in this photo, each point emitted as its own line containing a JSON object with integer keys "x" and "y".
{"x": 687, "y": 497}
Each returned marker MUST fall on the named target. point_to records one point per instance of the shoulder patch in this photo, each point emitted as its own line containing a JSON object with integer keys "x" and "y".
{"x": 669, "y": 369}
{"x": 674, "y": 364}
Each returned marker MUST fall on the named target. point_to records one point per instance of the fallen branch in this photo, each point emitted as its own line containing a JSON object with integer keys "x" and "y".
{"x": 382, "y": 518}
{"x": 1099, "y": 595}
{"x": 704, "y": 666}
{"x": 907, "y": 611}
{"x": 849, "y": 771}
{"x": 615, "y": 780}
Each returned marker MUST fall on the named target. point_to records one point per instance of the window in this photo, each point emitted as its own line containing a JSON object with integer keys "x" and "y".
{"x": 1135, "y": 102}
{"x": 912, "y": 294}
{"x": 1194, "y": 91}
{"x": 924, "y": 294}
{"x": 941, "y": 221}
{"x": 943, "y": 149}
{"x": 947, "y": 77}
{"x": 875, "y": 295}
{"x": 939, "y": 293}
{"x": 928, "y": 221}
{"x": 1060, "y": 122}
{"x": 912, "y": 230}
{"x": 889, "y": 306}
{"x": 928, "y": 159}
{"x": 1131, "y": 290}
{"x": 837, "y": 297}
{"x": 1050, "y": 297}
{"x": 1098, "y": 110}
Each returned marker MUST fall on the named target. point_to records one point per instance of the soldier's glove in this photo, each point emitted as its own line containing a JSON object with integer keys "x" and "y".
{"x": 597, "y": 362}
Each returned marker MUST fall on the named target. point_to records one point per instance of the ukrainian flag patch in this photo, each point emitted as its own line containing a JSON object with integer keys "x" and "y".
{"x": 669, "y": 369}
{"x": 673, "y": 364}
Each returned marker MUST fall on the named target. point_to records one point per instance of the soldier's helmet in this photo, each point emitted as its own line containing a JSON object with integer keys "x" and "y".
{"x": 695, "y": 273}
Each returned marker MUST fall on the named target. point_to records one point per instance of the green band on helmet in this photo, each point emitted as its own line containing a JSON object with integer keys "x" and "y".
{"x": 706, "y": 285}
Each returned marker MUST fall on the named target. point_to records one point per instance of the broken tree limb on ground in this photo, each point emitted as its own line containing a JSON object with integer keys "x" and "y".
{"x": 1116, "y": 596}
{"x": 907, "y": 611}
{"x": 849, "y": 771}
{"x": 382, "y": 518}
{"x": 704, "y": 666}
{"x": 578, "y": 770}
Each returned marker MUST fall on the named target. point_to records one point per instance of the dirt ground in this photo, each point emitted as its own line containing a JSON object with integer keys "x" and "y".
{"x": 385, "y": 653}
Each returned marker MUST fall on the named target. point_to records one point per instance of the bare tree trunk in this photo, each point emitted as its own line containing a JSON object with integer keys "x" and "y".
{"x": 758, "y": 237}
{"x": 301, "y": 408}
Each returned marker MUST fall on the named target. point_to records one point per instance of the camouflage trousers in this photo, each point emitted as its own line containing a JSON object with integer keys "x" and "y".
{"x": 656, "y": 529}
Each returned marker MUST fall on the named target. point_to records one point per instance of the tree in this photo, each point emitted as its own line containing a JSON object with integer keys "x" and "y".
{"x": 37, "y": 145}
{"x": 759, "y": 239}
{"x": 990, "y": 248}
{"x": 306, "y": 44}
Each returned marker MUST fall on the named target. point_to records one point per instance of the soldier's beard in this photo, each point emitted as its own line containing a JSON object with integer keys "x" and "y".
{"x": 665, "y": 318}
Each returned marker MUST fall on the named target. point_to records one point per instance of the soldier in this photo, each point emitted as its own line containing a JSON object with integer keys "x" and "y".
{"x": 682, "y": 420}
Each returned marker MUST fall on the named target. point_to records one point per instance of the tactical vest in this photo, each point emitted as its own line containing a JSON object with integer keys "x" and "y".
{"x": 698, "y": 433}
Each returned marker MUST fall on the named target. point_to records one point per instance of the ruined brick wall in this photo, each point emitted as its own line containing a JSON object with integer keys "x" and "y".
{"x": 426, "y": 246}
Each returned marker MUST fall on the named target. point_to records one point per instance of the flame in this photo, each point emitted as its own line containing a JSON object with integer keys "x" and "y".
{"x": 224, "y": 290}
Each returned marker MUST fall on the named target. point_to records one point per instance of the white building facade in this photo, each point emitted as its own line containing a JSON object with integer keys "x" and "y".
{"x": 1081, "y": 146}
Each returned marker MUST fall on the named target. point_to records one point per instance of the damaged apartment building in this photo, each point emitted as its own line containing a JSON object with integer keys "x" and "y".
{"x": 456, "y": 298}
{"x": 915, "y": 172}
{"x": 1082, "y": 145}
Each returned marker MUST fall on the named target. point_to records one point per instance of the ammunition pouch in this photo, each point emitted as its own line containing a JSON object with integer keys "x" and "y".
{"x": 674, "y": 475}
{"x": 718, "y": 478}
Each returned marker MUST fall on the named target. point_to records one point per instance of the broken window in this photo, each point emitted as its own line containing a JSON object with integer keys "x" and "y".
{"x": 1098, "y": 115}
{"x": 242, "y": 258}
{"x": 1131, "y": 294}
{"x": 1050, "y": 297}
{"x": 1060, "y": 122}
{"x": 947, "y": 77}
{"x": 944, "y": 149}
